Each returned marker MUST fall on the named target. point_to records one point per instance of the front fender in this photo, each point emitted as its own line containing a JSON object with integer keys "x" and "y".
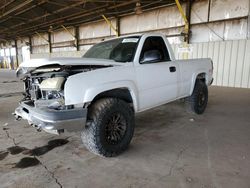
{"x": 92, "y": 92}
{"x": 80, "y": 93}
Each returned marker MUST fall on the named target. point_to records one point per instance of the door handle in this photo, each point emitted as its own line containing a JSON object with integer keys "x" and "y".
{"x": 172, "y": 69}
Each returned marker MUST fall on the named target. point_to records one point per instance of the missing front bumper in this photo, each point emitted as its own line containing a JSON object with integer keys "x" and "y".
{"x": 51, "y": 120}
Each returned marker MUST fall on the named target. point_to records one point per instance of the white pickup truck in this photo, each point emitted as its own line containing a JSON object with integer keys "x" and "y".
{"x": 99, "y": 93}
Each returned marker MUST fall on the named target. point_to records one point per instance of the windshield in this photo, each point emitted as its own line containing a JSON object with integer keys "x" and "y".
{"x": 119, "y": 50}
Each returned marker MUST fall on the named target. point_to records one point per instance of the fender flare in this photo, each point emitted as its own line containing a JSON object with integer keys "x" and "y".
{"x": 92, "y": 92}
{"x": 194, "y": 77}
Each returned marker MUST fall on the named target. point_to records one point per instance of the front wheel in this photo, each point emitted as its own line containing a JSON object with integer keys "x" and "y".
{"x": 109, "y": 128}
{"x": 197, "y": 102}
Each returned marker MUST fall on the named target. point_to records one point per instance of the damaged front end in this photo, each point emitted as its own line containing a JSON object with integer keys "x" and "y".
{"x": 43, "y": 103}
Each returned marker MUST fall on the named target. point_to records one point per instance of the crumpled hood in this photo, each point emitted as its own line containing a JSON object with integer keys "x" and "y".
{"x": 67, "y": 61}
{"x": 28, "y": 66}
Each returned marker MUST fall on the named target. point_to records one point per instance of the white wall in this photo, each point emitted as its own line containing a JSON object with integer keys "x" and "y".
{"x": 231, "y": 60}
{"x": 205, "y": 26}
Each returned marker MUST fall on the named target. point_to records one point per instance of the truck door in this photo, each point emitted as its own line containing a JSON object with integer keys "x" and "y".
{"x": 157, "y": 75}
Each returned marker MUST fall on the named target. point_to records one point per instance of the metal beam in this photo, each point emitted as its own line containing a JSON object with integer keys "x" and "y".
{"x": 61, "y": 20}
{"x": 181, "y": 11}
{"x": 61, "y": 4}
{"x": 208, "y": 11}
{"x": 72, "y": 34}
{"x": 118, "y": 26}
{"x": 188, "y": 15}
{"x": 23, "y": 10}
{"x": 47, "y": 14}
{"x": 186, "y": 28}
{"x": 30, "y": 44}
{"x": 50, "y": 45}
{"x": 19, "y": 6}
{"x": 42, "y": 37}
{"x": 6, "y": 4}
{"x": 77, "y": 38}
{"x": 66, "y": 29}
{"x": 16, "y": 48}
{"x": 110, "y": 25}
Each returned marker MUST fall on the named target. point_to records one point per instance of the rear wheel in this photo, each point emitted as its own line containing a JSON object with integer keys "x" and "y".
{"x": 197, "y": 102}
{"x": 110, "y": 127}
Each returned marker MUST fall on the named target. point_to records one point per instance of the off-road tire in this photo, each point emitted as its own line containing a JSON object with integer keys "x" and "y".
{"x": 94, "y": 136}
{"x": 197, "y": 102}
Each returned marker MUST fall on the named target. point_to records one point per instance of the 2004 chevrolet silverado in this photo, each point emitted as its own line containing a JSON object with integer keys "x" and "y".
{"x": 99, "y": 93}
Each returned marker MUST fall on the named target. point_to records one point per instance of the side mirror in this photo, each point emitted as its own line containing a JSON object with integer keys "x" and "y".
{"x": 151, "y": 56}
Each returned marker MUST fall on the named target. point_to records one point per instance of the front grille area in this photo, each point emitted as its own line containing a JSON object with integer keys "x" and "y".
{"x": 32, "y": 86}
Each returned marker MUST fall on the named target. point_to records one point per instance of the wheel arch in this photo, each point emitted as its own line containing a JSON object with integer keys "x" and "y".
{"x": 126, "y": 93}
{"x": 119, "y": 93}
{"x": 202, "y": 75}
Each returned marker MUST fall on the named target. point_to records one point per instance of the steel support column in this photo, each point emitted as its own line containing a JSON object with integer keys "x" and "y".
{"x": 49, "y": 40}
{"x": 30, "y": 44}
{"x": 118, "y": 23}
{"x": 185, "y": 18}
{"x": 16, "y": 48}
{"x": 77, "y": 38}
{"x": 188, "y": 15}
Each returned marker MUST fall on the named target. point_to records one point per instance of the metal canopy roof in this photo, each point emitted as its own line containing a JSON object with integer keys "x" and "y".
{"x": 25, "y": 17}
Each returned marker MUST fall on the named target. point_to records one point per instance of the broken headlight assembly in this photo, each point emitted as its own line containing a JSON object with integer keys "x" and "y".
{"x": 51, "y": 88}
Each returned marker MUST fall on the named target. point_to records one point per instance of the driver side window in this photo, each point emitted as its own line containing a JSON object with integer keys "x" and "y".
{"x": 154, "y": 50}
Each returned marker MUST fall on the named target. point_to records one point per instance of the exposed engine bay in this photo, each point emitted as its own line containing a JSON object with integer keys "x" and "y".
{"x": 44, "y": 86}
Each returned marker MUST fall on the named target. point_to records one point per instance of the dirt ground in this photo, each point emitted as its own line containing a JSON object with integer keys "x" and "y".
{"x": 170, "y": 148}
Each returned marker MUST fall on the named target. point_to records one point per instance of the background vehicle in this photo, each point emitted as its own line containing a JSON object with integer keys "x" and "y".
{"x": 100, "y": 93}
